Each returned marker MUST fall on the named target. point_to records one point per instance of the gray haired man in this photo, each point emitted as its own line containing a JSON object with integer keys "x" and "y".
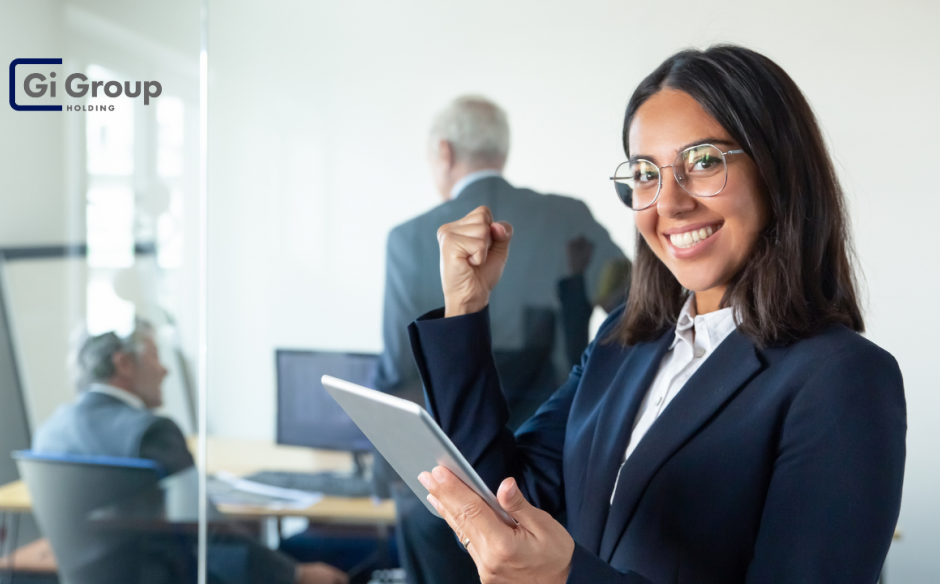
{"x": 120, "y": 380}
{"x": 468, "y": 148}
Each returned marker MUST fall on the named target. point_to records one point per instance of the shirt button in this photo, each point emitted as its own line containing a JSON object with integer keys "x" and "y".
{"x": 659, "y": 400}
{"x": 699, "y": 353}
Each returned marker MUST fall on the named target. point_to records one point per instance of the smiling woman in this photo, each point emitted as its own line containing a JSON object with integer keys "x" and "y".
{"x": 730, "y": 425}
{"x": 731, "y": 212}
{"x": 783, "y": 259}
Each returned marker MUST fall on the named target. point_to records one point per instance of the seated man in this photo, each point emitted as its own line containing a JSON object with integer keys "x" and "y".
{"x": 120, "y": 381}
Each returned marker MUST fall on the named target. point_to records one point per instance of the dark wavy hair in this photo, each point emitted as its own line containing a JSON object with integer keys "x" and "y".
{"x": 799, "y": 278}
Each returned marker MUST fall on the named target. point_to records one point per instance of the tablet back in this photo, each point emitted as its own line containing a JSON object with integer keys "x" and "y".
{"x": 408, "y": 438}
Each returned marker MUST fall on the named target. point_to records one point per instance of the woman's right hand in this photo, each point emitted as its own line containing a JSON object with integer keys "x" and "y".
{"x": 473, "y": 254}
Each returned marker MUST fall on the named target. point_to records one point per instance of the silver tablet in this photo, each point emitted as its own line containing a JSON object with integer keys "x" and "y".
{"x": 408, "y": 438}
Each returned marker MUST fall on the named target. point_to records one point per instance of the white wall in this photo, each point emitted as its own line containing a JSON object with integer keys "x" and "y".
{"x": 318, "y": 117}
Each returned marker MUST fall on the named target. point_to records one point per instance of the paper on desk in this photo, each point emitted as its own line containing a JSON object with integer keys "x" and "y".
{"x": 228, "y": 489}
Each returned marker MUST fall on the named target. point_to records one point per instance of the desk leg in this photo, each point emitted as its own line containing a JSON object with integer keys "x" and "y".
{"x": 4, "y": 536}
{"x": 11, "y": 526}
{"x": 15, "y": 519}
{"x": 385, "y": 554}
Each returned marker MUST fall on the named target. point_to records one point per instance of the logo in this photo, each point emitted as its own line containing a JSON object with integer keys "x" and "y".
{"x": 39, "y": 85}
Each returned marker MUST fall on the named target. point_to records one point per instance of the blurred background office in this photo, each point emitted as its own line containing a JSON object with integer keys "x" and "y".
{"x": 318, "y": 118}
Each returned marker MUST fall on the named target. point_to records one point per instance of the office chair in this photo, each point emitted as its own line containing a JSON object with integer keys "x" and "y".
{"x": 65, "y": 489}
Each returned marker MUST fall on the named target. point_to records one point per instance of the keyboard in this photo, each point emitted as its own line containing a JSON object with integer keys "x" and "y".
{"x": 328, "y": 483}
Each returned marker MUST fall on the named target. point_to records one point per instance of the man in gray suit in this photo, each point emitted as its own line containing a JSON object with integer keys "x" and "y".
{"x": 121, "y": 380}
{"x": 469, "y": 144}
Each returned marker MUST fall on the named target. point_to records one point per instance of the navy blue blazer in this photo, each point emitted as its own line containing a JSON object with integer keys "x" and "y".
{"x": 781, "y": 464}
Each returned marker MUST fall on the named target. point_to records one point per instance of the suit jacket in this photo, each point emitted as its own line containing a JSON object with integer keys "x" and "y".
{"x": 781, "y": 464}
{"x": 98, "y": 424}
{"x": 543, "y": 224}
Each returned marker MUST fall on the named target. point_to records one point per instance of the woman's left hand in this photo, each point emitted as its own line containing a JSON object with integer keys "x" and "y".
{"x": 539, "y": 549}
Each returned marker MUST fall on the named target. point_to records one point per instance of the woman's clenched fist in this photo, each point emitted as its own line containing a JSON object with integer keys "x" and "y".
{"x": 473, "y": 254}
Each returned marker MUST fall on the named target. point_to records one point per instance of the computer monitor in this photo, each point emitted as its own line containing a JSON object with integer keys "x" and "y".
{"x": 306, "y": 414}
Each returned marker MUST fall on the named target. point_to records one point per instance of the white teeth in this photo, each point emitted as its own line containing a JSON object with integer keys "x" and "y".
{"x": 690, "y": 238}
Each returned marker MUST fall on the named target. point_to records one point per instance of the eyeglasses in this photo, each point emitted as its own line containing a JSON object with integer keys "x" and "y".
{"x": 700, "y": 170}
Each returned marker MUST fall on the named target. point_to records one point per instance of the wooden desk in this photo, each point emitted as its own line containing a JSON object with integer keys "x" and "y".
{"x": 329, "y": 511}
{"x": 242, "y": 457}
{"x": 14, "y": 498}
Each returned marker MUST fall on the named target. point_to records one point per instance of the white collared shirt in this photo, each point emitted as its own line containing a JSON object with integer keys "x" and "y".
{"x": 118, "y": 393}
{"x": 473, "y": 177}
{"x": 685, "y": 356}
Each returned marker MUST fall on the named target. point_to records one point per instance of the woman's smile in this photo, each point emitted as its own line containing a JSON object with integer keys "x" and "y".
{"x": 690, "y": 240}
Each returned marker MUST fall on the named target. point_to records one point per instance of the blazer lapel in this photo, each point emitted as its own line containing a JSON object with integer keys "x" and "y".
{"x": 612, "y": 434}
{"x": 732, "y": 364}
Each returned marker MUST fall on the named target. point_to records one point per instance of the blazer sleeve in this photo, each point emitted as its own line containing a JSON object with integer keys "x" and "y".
{"x": 164, "y": 443}
{"x": 835, "y": 493}
{"x": 464, "y": 395}
{"x": 396, "y": 371}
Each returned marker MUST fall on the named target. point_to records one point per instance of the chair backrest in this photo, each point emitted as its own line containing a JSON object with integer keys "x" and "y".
{"x": 65, "y": 489}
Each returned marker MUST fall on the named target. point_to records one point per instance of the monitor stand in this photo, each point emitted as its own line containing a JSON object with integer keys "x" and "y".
{"x": 361, "y": 463}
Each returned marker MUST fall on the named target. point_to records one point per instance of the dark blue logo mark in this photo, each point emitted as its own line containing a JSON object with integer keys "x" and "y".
{"x": 30, "y": 108}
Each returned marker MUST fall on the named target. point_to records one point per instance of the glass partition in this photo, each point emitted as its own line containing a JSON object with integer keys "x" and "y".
{"x": 99, "y": 271}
